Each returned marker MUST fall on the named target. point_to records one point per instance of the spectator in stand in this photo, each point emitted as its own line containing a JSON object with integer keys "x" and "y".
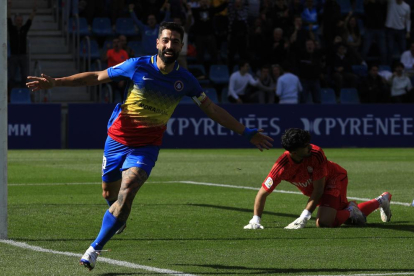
{"x": 401, "y": 85}
{"x": 149, "y": 32}
{"x": 373, "y": 88}
{"x": 144, "y": 8}
{"x": 203, "y": 30}
{"x": 258, "y": 43}
{"x": 279, "y": 46}
{"x": 299, "y": 35}
{"x": 253, "y": 10}
{"x": 375, "y": 13}
{"x": 280, "y": 15}
{"x": 352, "y": 36}
{"x": 115, "y": 56}
{"x": 18, "y": 41}
{"x": 341, "y": 73}
{"x": 295, "y": 7}
{"x": 310, "y": 16}
{"x": 182, "y": 58}
{"x": 265, "y": 78}
{"x": 221, "y": 23}
{"x": 238, "y": 84}
{"x": 238, "y": 31}
{"x": 310, "y": 70}
{"x": 123, "y": 42}
{"x": 398, "y": 24}
{"x": 288, "y": 87}
{"x": 330, "y": 17}
{"x": 407, "y": 58}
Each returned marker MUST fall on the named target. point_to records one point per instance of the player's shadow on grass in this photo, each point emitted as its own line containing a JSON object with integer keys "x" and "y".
{"x": 257, "y": 271}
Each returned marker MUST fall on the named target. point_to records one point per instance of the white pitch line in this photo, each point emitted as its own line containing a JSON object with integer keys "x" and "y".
{"x": 101, "y": 259}
{"x": 202, "y": 184}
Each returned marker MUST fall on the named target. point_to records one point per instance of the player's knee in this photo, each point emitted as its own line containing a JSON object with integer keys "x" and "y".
{"x": 323, "y": 223}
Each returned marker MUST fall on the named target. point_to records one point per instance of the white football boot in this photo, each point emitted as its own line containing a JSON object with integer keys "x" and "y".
{"x": 89, "y": 258}
{"x": 385, "y": 210}
{"x": 356, "y": 217}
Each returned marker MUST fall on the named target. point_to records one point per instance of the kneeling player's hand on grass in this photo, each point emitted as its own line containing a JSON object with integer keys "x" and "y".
{"x": 254, "y": 223}
{"x": 301, "y": 221}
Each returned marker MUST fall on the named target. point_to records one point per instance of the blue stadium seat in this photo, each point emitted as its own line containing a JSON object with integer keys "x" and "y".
{"x": 101, "y": 26}
{"x": 125, "y": 26}
{"x": 83, "y": 26}
{"x": 219, "y": 74}
{"x": 349, "y": 96}
{"x": 196, "y": 70}
{"x": 345, "y": 6}
{"x": 212, "y": 94}
{"x": 384, "y": 68}
{"x": 224, "y": 94}
{"x": 360, "y": 70}
{"x": 95, "y": 53}
{"x": 136, "y": 46}
{"x": 20, "y": 96}
{"x": 328, "y": 96}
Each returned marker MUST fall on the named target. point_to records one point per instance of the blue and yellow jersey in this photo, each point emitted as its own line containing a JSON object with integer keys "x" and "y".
{"x": 150, "y": 100}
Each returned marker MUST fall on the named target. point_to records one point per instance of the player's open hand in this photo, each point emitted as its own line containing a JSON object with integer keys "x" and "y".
{"x": 262, "y": 141}
{"x": 299, "y": 223}
{"x": 38, "y": 83}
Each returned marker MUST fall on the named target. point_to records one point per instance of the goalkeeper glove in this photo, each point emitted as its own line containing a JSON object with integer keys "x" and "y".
{"x": 254, "y": 223}
{"x": 301, "y": 221}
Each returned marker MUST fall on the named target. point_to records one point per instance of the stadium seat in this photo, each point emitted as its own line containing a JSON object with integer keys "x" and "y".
{"x": 101, "y": 26}
{"x": 83, "y": 26}
{"x": 349, "y": 96}
{"x": 328, "y": 96}
{"x": 224, "y": 94}
{"x": 198, "y": 71}
{"x": 384, "y": 68}
{"x": 95, "y": 53}
{"x": 360, "y": 70}
{"x": 125, "y": 26}
{"x": 212, "y": 94}
{"x": 136, "y": 46}
{"x": 219, "y": 74}
{"x": 20, "y": 96}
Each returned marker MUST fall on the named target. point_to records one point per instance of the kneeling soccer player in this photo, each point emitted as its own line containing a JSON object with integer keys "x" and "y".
{"x": 324, "y": 182}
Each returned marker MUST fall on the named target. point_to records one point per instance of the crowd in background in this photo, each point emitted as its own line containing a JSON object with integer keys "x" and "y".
{"x": 314, "y": 44}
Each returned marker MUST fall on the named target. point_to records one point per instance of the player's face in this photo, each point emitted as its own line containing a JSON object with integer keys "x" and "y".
{"x": 304, "y": 151}
{"x": 169, "y": 46}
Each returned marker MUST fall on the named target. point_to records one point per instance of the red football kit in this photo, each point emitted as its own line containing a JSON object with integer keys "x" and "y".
{"x": 311, "y": 168}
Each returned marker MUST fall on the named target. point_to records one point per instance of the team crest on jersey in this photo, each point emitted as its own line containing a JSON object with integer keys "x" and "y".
{"x": 269, "y": 182}
{"x": 179, "y": 85}
{"x": 310, "y": 169}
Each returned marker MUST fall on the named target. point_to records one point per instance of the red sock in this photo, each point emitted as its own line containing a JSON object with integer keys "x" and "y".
{"x": 341, "y": 217}
{"x": 368, "y": 207}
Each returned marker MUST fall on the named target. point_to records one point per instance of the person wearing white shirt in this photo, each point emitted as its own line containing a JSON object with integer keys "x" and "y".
{"x": 398, "y": 24}
{"x": 407, "y": 58}
{"x": 288, "y": 88}
{"x": 400, "y": 84}
{"x": 238, "y": 83}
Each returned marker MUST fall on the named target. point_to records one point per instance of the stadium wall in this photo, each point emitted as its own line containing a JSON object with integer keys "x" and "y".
{"x": 84, "y": 126}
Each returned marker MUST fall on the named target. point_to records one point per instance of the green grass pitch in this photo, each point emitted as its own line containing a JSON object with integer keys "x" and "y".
{"x": 55, "y": 203}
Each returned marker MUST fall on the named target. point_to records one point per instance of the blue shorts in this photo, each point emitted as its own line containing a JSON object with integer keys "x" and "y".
{"x": 118, "y": 157}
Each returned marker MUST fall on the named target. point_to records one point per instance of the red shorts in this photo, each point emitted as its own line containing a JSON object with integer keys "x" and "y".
{"x": 334, "y": 195}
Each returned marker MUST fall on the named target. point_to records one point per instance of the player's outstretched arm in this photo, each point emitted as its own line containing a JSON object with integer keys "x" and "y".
{"x": 81, "y": 79}
{"x": 259, "y": 204}
{"x": 221, "y": 116}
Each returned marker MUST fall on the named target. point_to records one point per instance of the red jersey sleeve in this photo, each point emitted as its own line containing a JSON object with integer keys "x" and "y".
{"x": 319, "y": 163}
{"x": 275, "y": 175}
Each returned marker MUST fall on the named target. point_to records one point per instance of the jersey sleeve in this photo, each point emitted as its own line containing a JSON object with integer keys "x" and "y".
{"x": 275, "y": 175}
{"x": 319, "y": 163}
{"x": 124, "y": 70}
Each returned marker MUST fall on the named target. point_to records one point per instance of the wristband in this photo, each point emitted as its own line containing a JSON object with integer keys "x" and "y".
{"x": 306, "y": 214}
{"x": 248, "y": 133}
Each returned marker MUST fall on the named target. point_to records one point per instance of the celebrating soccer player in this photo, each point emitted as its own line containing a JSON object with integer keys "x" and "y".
{"x": 323, "y": 181}
{"x": 156, "y": 85}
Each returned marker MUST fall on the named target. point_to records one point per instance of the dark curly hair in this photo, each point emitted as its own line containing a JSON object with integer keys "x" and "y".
{"x": 172, "y": 27}
{"x": 295, "y": 138}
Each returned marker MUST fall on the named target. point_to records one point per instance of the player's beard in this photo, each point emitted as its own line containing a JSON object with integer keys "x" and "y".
{"x": 168, "y": 60}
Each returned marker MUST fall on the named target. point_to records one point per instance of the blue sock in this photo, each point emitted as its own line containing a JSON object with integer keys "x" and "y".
{"x": 110, "y": 202}
{"x": 110, "y": 225}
